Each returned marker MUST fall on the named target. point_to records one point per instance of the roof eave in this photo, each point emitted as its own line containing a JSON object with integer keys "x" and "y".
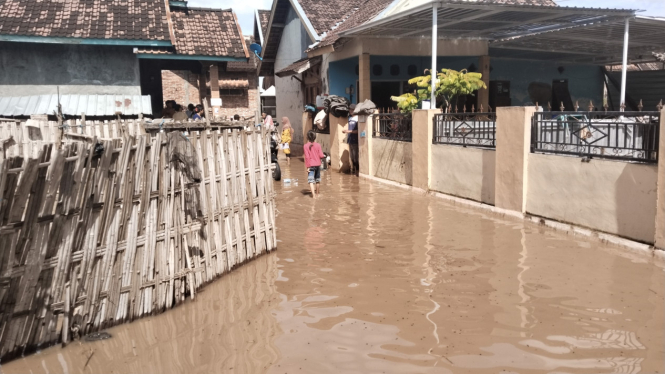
{"x": 305, "y": 21}
{"x": 164, "y": 56}
{"x": 320, "y": 51}
{"x": 85, "y": 41}
{"x": 257, "y": 24}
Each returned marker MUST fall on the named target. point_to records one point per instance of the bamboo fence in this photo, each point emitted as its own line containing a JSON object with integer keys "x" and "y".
{"x": 102, "y": 230}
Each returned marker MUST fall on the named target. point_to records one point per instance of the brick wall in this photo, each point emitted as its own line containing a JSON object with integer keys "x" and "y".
{"x": 244, "y": 105}
{"x": 181, "y": 86}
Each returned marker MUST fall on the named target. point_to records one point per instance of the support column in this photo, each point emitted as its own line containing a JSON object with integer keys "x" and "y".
{"x": 484, "y": 93}
{"x": 214, "y": 87}
{"x": 365, "y": 145}
{"x": 421, "y": 148}
{"x": 624, "y": 66}
{"x": 339, "y": 150}
{"x": 364, "y": 78}
{"x": 203, "y": 91}
{"x": 659, "y": 240}
{"x": 513, "y": 143}
{"x": 435, "y": 37}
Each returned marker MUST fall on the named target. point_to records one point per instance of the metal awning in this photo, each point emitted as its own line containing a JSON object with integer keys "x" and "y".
{"x": 465, "y": 20}
{"x": 599, "y": 43}
{"x": 74, "y": 105}
{"x": 299, "y": 66}
{"x": 562, "y": 34}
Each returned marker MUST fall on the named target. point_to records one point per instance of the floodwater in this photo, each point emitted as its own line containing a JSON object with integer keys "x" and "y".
{"x": 371, "y": 278}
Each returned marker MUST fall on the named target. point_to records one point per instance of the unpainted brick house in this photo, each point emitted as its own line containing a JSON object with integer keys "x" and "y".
{"x": 237, "y": 81}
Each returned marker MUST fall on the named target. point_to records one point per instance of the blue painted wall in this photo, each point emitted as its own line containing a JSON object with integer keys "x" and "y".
{"x": 585, "y": 82}
{"x": 342, "y": 74}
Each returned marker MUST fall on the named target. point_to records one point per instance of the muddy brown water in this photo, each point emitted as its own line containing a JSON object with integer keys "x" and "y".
{"x": 376, "y": 279}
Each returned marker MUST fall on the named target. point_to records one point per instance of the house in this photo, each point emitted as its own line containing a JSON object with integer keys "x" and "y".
{"x": 237, "y": 80}
{"x": 71, "y": 45}
{"x": 528, "y": 50}
{"x": 119, "y": 49}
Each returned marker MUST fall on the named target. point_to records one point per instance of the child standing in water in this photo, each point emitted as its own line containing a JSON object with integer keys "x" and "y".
{"x": 313, "y": 156}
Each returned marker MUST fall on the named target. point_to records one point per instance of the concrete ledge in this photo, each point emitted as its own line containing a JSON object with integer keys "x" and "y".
{"x": 633, "y": 246}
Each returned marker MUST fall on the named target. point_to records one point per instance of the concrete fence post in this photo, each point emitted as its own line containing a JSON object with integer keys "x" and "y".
{"x": 421, "y": 147}
{"x": 513, "y": 142}
{"x": 307, "y": 124}
{"x": 365, "y": 132}
{"x": 659, "y": 239}
{"x": 339, "y": 150}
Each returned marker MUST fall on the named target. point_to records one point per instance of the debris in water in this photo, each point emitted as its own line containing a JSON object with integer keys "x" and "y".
{"x": 92, "y": 352}
{"x": 95, "y": 336}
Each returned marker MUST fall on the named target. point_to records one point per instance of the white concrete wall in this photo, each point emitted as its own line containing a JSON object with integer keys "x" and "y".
{"x": 392, "y": 160}
{"x": 611, "y": 196}
{"x": 324, "y": 140}
{"x": 288, "y": 91}
{"x": 464, "y": 172}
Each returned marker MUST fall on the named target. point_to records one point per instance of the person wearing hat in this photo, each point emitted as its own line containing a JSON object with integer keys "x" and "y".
{"x": 352, "y": 139}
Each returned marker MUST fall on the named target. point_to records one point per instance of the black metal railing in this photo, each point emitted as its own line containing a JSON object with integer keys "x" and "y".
{"x": 393, "y": 126}
{"x": 465, "y": 129}
{"x": 629, "y": 136}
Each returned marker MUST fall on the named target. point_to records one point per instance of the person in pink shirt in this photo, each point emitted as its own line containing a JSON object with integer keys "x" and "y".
{"x": 313, "y": 156}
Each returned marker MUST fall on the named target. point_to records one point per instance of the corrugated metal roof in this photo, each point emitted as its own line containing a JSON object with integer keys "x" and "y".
{"x": 648, "y": 86}
{"x": 74, "y": 105}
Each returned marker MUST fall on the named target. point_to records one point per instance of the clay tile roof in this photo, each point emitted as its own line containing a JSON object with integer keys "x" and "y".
{"x": 207, "y": 32}
{"x": 90, "y": 19}
{"x": 247, "y": 66}
{"x": 361, "y": 11}
{"x": 324, "y": 15}
{"x": 264, "y": 16}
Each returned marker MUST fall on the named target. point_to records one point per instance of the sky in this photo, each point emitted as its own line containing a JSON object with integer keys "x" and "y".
{"x": 245, "y": 8}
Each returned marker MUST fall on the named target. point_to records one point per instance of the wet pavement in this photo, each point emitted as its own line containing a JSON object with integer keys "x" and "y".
{"x": 371, "y": 278}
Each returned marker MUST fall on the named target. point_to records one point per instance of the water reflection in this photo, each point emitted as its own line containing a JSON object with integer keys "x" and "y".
{"x": 376, "y": 279}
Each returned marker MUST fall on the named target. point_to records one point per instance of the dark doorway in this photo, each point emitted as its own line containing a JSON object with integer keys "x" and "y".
{"x": 151, "y": 77}
{"x": 381, "y": 93}
{"x": 499, "y": 92}
{"x": 560, "y": 94}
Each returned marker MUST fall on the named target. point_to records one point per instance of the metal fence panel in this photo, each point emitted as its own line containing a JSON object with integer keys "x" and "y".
{"x": 628, "y": 136}
{"x": 465, "y": 129}
{"x": 393, "y": 126}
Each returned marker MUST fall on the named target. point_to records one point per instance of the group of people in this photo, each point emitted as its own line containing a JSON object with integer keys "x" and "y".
{"x": 180, "y": 113}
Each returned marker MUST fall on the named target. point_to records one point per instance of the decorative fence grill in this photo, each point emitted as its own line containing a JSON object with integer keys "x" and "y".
{"x": 465, "y": 129}
{"x": 101, "y": 231}
{"x": 393, "y": 126}
{"x": 628, "y": 136}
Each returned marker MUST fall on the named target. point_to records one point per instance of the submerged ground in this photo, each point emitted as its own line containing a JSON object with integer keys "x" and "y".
{"x": 375, "y": 279}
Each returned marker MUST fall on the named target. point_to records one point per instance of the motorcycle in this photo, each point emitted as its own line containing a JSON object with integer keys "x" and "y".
{"x": 274, "y": 148}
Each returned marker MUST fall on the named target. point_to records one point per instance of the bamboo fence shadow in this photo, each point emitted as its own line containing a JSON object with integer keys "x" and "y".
{"x": 107, "y": 229}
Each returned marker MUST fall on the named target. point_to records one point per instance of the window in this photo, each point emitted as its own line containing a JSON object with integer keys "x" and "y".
{"x": 377, "y": 70}
{"x": 412, "y": 70}
{"x": 231, "y": 92}
{"x": 394, "y": 70}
